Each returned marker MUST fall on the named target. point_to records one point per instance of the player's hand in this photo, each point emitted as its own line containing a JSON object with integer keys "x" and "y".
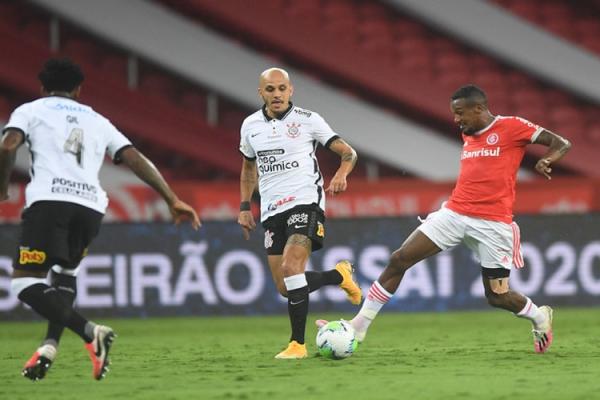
{"x": 181, "y": 211}
{"x": 337, "y": 185}
{"x": 246, "y": 221}
{"x": 543, "y": 167}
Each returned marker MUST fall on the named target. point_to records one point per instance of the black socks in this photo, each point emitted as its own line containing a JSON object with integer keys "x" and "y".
{"x": 298, "y": 310}
{"x": 318, "y": 279}
{"x": 50, "y": 304}
{"x": 67, "y": 288}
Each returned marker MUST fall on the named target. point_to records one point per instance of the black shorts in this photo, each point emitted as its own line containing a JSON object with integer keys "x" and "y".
{"x": 55, "y": 232}
{"x": 306, "y": 220}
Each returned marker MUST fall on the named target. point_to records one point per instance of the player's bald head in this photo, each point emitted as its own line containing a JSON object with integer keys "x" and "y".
{"x": 273, "y": 75}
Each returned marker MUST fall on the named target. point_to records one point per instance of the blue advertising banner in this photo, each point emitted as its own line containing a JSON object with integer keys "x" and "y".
{"x": 137, "y": 270}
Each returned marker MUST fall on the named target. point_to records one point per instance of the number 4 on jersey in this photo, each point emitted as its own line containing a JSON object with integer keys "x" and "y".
{"x": 74, "y": 145}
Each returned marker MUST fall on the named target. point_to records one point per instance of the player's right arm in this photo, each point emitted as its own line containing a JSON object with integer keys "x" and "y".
{"x": 147, "y": 172}
{"x": 557, "y": 148}
{"x": 12, "y": 139}
{"x": 248, "y": 180}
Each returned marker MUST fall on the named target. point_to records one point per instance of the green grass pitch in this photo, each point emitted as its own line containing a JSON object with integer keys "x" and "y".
{"x": 467, "y": 355}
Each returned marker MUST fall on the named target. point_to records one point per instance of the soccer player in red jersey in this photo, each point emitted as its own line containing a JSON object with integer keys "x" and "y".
{"x": 478, "y": 213}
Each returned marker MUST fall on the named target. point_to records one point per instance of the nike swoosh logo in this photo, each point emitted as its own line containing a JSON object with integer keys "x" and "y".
{"x": 299, "y": 226}
{"x": 292, "y": 303}
{"x": 256, "y": 134}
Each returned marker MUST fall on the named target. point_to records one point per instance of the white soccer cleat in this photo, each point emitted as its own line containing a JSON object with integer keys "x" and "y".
{"x": 98, "y": 350}
{"x": 542, "y": 334}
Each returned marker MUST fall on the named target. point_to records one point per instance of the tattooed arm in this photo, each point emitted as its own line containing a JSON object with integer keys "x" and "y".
{"x": 348, "y": 157}
{"x": 557, "y": 148}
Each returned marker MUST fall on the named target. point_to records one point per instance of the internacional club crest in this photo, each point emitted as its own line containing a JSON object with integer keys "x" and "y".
{"x": 293, "y": 130}
{"x": 492, "y": 139}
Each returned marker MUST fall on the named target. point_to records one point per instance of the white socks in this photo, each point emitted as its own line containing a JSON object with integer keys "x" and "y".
{"x": 375, "y": 300}
{"x": 532, "y": 313}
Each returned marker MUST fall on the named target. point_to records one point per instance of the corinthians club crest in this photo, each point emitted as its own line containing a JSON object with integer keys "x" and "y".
{"x": 293, "y": 130}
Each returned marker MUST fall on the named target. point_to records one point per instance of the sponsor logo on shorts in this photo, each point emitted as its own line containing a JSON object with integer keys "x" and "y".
{"x": 300, "y": 218}
{"x": 268, "y": 239}
{"x": 27, "y": 256}
{"x": 320, "y": 230}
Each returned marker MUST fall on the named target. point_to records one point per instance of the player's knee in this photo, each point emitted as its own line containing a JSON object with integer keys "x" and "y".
{"x": 282, "y": 289}
{"x": 496, "y": 299}
{"x": 292, "y": 266}
{"x": 400, "y": 260}
{"x": 497, "y": 292}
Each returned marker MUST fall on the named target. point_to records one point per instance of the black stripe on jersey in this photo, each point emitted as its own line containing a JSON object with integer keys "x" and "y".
{"x": 16, "y": 129}
{"x": 318, "y": 172}
{"x": 117, "y": 158}
{"x": 246, "y": 157}
{"x": 281, "y": 117}
{"x": 331, "y": 141}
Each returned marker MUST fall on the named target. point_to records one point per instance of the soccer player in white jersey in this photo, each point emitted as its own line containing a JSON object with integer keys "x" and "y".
{"x": 478, "y": 213}
{"x": 278, "y": 144}
{"x": 65, "y": 205}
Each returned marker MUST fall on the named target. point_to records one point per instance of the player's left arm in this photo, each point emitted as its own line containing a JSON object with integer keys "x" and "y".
{"x": 557, "y": 148}
{"x": 12, "y": 139}
{"x": 348, "y": 160}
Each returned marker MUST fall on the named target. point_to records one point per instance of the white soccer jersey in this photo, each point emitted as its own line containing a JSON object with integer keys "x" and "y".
{"x": 284, "y": 150}
{"x": 67, "y": 141}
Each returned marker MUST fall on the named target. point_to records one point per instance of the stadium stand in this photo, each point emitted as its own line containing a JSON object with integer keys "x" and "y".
{"x": 212, "y": 60}
{"x": 575, "y": 21}
{"x": 184, "y": 97}
{"x": 414, "y": 63}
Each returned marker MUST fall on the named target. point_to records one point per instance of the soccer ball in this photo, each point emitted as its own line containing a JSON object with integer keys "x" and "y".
{"x": 335, "y": 340}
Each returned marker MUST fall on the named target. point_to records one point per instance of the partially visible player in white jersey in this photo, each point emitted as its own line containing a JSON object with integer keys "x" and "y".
{"x": 65, "y": 204}
{"x": 278, "y": 144}
{"x": 478, "y": 213}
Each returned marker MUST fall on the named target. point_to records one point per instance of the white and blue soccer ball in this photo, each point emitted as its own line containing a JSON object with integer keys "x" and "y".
{"x": 335, "y": 340}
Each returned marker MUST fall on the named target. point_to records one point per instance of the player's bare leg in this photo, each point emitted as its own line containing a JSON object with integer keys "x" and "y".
{"x": 293, "y": 263}
{"x": 414, "y": 249}
{"x": 499, "y": 295}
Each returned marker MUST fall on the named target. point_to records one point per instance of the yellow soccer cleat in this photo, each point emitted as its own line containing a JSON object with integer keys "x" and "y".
{"x": 294, "y": 351}
{"x": 348, "y": 284}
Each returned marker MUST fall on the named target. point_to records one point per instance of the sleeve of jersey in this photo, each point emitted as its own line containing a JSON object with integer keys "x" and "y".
{"x": 322, "y": 131}
{"x": 19, "y": 120}
{"x": 117, "y": 142}
{"x": 526, "y": 132}
{"x": 245, "y": 147}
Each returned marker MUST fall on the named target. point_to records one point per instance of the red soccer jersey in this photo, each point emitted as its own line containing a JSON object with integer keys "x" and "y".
{"x": 488, "y": 169}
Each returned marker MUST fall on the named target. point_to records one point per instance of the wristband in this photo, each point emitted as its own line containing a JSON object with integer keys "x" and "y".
{"x": 245, "y": 206}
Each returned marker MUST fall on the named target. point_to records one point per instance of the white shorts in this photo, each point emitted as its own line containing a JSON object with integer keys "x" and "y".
{"x": 495, "y": 244}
